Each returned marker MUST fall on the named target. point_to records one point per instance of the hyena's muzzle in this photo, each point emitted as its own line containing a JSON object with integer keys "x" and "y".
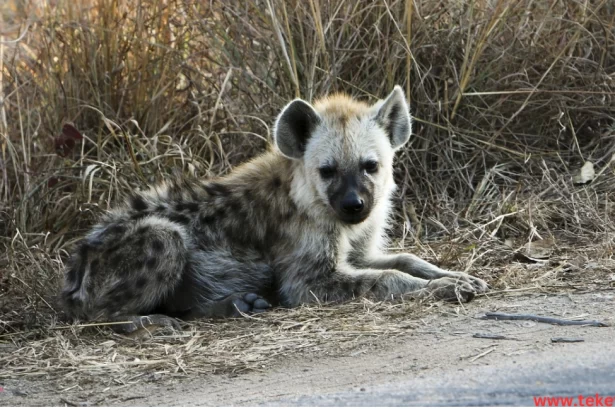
{"x": 351, "y": 197}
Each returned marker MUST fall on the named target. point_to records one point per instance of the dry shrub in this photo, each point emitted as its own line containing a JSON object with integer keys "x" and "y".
{"x": 510, "y": 98}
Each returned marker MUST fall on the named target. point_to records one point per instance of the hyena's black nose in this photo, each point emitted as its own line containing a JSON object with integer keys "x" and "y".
{"x": 352, "y": 204}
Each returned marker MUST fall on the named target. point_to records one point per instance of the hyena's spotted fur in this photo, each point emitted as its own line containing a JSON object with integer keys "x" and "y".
{"x": 304, "y": 222}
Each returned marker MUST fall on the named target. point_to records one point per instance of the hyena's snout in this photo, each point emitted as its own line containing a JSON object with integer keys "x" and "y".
{"x": 352, "y": 204}
{"x": 352, "y": 201}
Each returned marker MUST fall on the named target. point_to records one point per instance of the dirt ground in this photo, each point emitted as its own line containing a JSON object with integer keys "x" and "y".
{"x": 442, "y": 345}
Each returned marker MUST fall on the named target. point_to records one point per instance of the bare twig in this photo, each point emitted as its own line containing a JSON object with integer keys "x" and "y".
{"x": 543, "y": 319}
{"x": 492, "y": 336}
{"x": 567, "y": 340}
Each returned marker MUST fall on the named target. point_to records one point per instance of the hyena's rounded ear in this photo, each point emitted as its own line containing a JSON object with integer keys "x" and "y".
{"x": 394, "y": 116}
{"x": 293, "y": 128}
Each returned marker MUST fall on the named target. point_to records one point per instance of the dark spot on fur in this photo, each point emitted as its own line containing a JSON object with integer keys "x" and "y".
{"x": 117, "y": 229}
{"x": 140, "y": 242}
{"x": 309, "y": 281}
{"x": 138, "y": 203}
{"x": 142, "y": 230}
{"x": 84, "y": 248}
{"x": 151, "y": 263}
{"x": 238, "y": 206}
{"x": 162, "y": 278}
{"x": 126, "y": 294}
{"x": 141, "y": 282}
{"x": 216, "y": 189}
{"x": 359, "y": 286}
{"x": 248, "y": 195}
{"x": 113, "y": 249}
{"x": 220, "y": 213}
{"x": 116, "y": 261}
{"x": 161, "y": 208}
{"x": 187, "y": 206}
{"x": 137, "y": 263}
{"x": 288, "y": 213}
{"x": 72, "y": 275}
{"x": 94, "y": 267}
{"x": 271, "y": 236}
{"x": 138, "y": 216}
{"x": 347, "y": 287}
{"x": 158, "y": 246}
{"x": 68, "y": 300}
{"x": 179, "y": 219}
{"x": 207, "y": 219}
{"x": 277, "y": 182}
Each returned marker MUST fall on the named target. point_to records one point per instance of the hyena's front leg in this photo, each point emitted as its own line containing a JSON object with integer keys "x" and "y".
{"x": 419, "y": 268}
{"x": 348, "y": 283}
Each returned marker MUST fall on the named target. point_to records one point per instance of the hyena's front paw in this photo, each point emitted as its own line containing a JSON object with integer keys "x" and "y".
{"x": 449, "y": 288}
{"x": 479, "y": 285}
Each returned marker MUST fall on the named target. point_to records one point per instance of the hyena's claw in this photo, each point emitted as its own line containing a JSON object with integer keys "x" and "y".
{"x": 451, "y": 289}
{"x": 479, "y": 285}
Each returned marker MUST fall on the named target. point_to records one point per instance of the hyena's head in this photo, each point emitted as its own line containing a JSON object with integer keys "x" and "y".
{"x": 345, "y": 148}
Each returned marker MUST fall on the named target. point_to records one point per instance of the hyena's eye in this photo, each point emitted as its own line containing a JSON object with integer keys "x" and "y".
{"x": 326, "y": 171}
{"x": 370, "y": 166}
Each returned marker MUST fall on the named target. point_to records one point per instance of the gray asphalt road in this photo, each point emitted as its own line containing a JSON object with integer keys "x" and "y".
{"x": 578, "y": 369}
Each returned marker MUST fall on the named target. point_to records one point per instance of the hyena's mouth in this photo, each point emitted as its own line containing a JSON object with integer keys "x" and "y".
{"x": 352, "y": 219}
{"x": 352, "y": 216}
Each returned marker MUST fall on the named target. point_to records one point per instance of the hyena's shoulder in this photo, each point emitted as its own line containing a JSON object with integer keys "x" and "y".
{"x": 259, "y": 210}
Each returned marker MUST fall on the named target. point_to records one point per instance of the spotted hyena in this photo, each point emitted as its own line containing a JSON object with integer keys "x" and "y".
{"x": 304, "y": 222}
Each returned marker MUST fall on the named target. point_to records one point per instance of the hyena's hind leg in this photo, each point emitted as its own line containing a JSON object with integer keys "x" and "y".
{"x": 216, "y": 284}
{"x": 125, "y": 268}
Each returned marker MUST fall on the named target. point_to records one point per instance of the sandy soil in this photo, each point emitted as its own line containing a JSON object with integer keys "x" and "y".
{"x": 443, "y": 345}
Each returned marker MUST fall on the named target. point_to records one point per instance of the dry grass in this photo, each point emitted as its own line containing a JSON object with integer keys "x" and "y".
{"x": 84, "y": 353}
{"x": 510, "y": 99}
